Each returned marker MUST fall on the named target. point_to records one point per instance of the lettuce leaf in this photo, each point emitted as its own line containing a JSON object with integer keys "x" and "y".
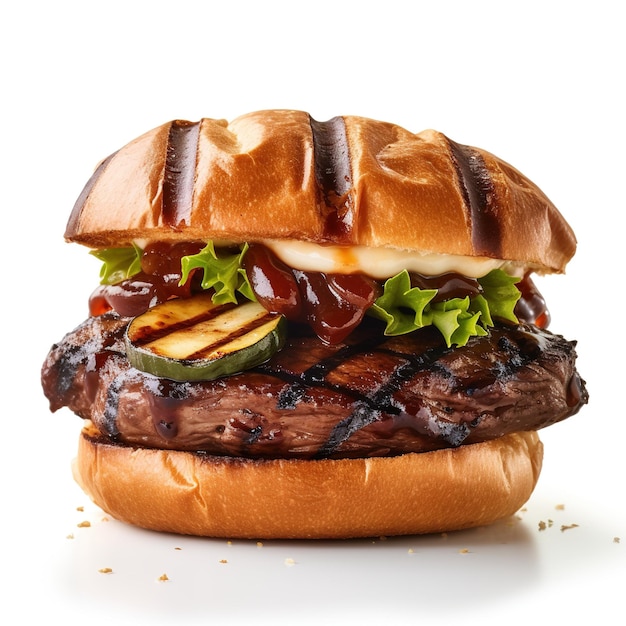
{"x": 456, "y": 320}
{"x": 404, "y": 308}
{"x": 501, "y": 294}
{"x": 224, "y": 275}
{"x": 118, "y": 264}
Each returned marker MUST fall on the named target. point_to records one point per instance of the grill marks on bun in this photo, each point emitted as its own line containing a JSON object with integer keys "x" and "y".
{"x": 180, "y": 173}
{"x": 333, "y": 173}
{"x": 479, "y": 195}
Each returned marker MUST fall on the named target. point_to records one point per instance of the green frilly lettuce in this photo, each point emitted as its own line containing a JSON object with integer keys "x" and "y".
{"x": 118, "y": 264}
{"x": 224, "y": 274}
{"x": 404, "y": 308}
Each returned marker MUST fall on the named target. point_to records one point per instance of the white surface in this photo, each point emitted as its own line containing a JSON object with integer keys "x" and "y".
{"x": 539, "y": 86}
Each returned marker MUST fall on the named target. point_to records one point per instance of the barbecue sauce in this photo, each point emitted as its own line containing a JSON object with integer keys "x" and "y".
{"x": 155, "y": 283}
{"x": 449, "y": 285}
{"x": 333, "y": 305}
{"x": 273, "y": 283}
{"x": 531, "y": 308}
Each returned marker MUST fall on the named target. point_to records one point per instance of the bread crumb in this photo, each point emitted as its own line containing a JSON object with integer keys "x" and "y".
{"x": 70, "y": 536}
{"x": 616, "y": 540}
{"x": 560, "y": 507}
{"x": 105, "y": 519}
{"x": 229, "y": 543}
{"x": 80, "y": 509}
{"x": 223, "y": 560}
{"x": 105, "y": 570}
{"x": 163, "y": 578}
{"x": 177, "y": 548}
{"x": 565, "y": 527}
{"x": 85, "y": 524}
{"x": 411, "y": 551}
{"x": 259, "y": 544}
{"x": 289, "y": 562}
{"x": 464, "y": 551}
{"x": 542, "y": 525}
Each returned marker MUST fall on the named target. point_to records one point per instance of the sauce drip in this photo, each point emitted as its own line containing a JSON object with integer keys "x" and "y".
{"x": 531, "y": 308}
{"x": 273, "y": 282}
{"x": 333, "y": 305}
{"x": 449, "y": 285}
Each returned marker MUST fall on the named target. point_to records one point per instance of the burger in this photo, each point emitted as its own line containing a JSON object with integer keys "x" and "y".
{"x": 313, "y": 329}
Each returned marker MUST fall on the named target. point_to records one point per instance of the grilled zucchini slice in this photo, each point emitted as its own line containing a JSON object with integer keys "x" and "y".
{"x": 192, "y": 339}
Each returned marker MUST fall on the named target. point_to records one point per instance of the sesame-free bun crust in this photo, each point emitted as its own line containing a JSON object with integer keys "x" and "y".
{"x": 349, "y": 181}
{"x": 185, "y": 493}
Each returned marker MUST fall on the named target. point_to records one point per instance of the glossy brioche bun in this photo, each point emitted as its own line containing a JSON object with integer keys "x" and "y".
{"x": 184, "y": 493}
{"x": 351, "y": 181}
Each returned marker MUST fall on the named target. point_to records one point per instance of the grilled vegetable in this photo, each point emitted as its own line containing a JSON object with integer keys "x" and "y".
{"x": 194, "y": 339}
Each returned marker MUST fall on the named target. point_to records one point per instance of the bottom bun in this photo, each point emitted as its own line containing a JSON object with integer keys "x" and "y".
{"x": 186, "y": 493}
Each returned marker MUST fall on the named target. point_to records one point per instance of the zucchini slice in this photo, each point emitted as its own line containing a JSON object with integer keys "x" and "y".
{"x": 192, "y": 339}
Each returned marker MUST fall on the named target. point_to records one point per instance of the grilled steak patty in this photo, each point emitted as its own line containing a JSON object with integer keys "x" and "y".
{"x": 368, "y": 396}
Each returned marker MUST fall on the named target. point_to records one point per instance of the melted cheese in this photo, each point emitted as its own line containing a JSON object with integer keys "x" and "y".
{"x": 381, "y": 263}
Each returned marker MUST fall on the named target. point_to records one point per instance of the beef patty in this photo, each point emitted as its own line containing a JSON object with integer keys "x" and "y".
{"x": 368, "y": 396}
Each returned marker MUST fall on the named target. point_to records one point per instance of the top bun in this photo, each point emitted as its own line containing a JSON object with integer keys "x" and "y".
{"x": 349, "y": 181}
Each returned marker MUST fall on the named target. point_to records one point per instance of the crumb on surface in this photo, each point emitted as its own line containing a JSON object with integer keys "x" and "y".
{"x": 616, "y": 539}
{"x": 70, "y": 536}
{"x": 223, "y": 561}
{"x": 80, "y": 509}
{"x": 411, "y": 551}
{"x": 464, "y": 551}
{"x": 565, "y": 527}
{"x": 289, "y": 562}
{"x": 85, "y": 524}
{"x": 259, "y": 544}
{"x": 163, "y": 578}
{"x": 560, "y": 507}
{"x": 105, "y": 570}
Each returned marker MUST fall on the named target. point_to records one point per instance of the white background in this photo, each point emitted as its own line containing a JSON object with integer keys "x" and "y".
{"x": 537, "y": 83}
